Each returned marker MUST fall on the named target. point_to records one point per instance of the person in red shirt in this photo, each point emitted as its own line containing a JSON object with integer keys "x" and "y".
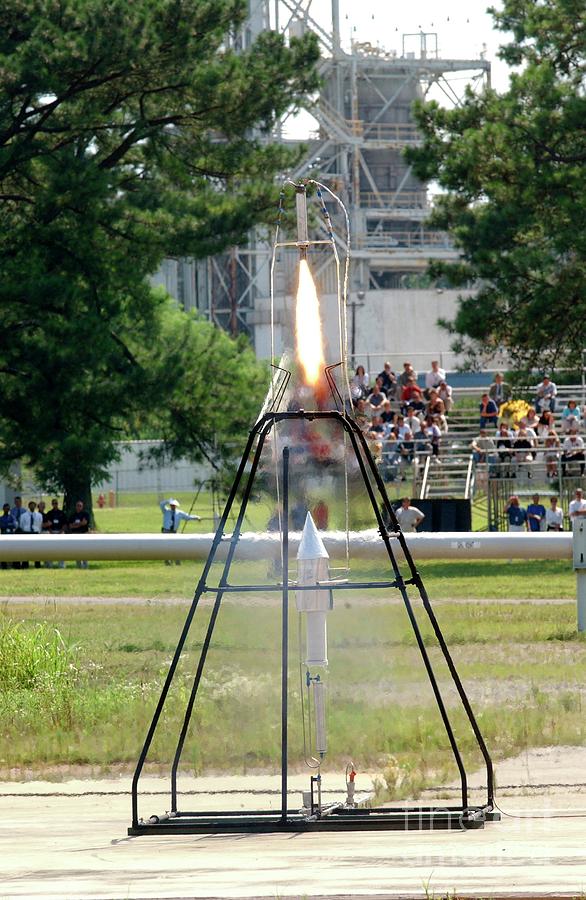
{"x": 412, "y": 395}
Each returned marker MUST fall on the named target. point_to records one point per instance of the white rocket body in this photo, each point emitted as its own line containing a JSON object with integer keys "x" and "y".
{"x": 313, "y": 567}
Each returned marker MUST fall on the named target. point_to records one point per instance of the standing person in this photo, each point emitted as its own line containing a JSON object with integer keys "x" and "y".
{"x": 7, "y": 526}
{"x": 31, "y": 522}
{"x": 554, "y": 516}
{"x": 18, "y": 511}
{"x": 55, "y": 522}
{"x": 499, "y": 391}
{"x": 409, "y": 517}
{"x": 79, "y": 523}
{"x": 577, "y": 509}
{"x": 536, "y": 514}
{"x": 172, "y": 516}
{"x": 516, "y": 515}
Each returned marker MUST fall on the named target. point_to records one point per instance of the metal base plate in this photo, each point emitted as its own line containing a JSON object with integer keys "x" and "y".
{"x": 383, "y": 819}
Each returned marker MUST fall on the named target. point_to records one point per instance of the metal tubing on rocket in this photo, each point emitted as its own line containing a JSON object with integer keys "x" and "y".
{"x": 302, "y": 231}
{"x": 313, "y": 567}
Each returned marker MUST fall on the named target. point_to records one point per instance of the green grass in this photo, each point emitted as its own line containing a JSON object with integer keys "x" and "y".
{"x": 91, "y": 675}
{"x": 491, "y": 579}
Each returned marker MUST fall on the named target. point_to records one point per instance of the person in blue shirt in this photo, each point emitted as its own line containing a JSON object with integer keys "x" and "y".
{"x": 7, "y": 525}
{"x": 516, "y": 515}
{"x": 536, "y": 514}
{"x": 172, "y": 516}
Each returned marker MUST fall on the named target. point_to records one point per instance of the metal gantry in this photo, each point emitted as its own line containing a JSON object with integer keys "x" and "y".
{"x": 364, "y": 123}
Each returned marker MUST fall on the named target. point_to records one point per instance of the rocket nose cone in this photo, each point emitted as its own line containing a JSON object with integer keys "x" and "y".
{"x": 311, "y": 545}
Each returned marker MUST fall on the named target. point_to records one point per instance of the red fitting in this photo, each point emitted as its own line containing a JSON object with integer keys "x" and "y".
{"x": 352, "y": 775}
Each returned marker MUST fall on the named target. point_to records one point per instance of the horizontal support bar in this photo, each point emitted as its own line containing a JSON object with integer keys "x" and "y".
{"x": 267, "y": 545}
{"x": 329, "y": 586}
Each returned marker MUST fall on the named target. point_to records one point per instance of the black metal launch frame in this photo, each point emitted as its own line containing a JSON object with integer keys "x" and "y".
{"x": 178, "y": 821}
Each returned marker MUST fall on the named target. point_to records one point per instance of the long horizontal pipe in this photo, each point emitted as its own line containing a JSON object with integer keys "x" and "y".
{"x": 254, "y": 546}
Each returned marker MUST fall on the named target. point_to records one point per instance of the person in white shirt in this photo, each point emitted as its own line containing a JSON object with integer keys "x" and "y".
{"x": 573, "y": 451}
{"x": 434, "y": 378}
{"x": 577, "y": 507}
{"x": 554, "y": 516}
{"x": 409, "y": 517}
{"x": 545, "y": 395}
{"x": 31, "y": 522}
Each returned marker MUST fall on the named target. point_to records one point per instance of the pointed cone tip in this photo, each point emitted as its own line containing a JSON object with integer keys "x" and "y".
{"x": 311, "y": 545}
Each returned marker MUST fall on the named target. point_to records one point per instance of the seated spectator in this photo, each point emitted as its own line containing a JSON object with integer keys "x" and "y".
{"x": 571, "y": 418}
{"x": 504, "y": 443}
{"x": 412, "y": 395}
{"x": 554, "y": 516}
{"x": 361, "y": 414}
{"x": 530, "y": 421}
{"x": 483, "y": 447}
{"x": 407, "y": 373}
{"x": 441, "y": 422}
{"x": 536, "y": 514}
{"x": 499, "y": 391}
{"x": 545, "y": 394}
{"x": 552, "y": 454}
{"x": 516, "y": 515}
{"x": 433, "y": 435}
{"x": 435, "y": 406}
{"x": 402, "y": 428}
{"x": 377, "y": 427}
{"x": 387, "y": 377}
{"x": 406, "y": 450}
{"x": 434, "y": 378}
{"x": 523, "y": 446}
{"x": 573, "y": 452}
{"x": 488, "y": 412}
{"x": 413, "y": 421}
{"x": 377, "y": 397}
{"x": 445, "y": 394}
{"x": 361, "y": 382}
{"x": 387, "y": 414}
{"x": 545, "y": 424}
{"x": 394, "y": 390}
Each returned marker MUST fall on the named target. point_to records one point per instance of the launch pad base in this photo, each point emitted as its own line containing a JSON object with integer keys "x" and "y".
{"x": 263, "y": 822}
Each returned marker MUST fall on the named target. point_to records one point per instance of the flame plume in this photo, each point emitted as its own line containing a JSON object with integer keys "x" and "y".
{"x": 308, "y": 327}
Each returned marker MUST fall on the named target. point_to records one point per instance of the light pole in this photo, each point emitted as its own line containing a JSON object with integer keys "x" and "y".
{"x": 353, "y": 304}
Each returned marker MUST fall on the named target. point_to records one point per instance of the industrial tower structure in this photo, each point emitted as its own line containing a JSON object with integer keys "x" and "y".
{"x": 364, "y": 120}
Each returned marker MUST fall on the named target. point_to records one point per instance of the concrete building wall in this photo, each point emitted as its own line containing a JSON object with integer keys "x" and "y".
{"x": 392, "y": 324}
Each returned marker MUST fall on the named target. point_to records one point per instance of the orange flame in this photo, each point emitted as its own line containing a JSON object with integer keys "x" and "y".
{"x": 308, "y": 326}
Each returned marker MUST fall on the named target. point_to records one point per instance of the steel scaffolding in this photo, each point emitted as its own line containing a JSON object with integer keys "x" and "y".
{"x": 364, "y": 122}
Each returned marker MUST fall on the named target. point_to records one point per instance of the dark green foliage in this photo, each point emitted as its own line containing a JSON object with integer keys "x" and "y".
{"x": 514, "y": 170}
{"x": 128, "y": 132}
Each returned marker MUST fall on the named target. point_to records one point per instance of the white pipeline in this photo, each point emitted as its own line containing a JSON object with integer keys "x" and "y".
{"x": 257, "y": 546}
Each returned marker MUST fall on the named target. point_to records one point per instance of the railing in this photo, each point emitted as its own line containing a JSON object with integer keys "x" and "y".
{"x": 424, "y": 481}
{"x": 470, "y": 479}
{"x": 405, "y": 239}
{"x": 394, "y": 199}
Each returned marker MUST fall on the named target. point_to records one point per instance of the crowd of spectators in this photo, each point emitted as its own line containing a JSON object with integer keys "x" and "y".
{"x": 401, "y": 419}
{"x": 36, "y": 519}
{"x": 509, "y": 447}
